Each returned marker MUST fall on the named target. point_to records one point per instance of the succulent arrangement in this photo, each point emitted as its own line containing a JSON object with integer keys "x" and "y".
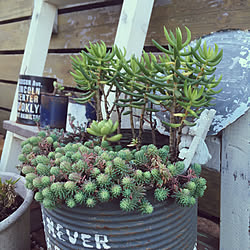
{"x": 97, "y": 171}
{"x": 98, "y": 168}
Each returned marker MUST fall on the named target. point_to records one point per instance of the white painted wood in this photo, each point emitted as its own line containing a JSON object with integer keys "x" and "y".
{"x": 10, "y": 153}
{"x": 133, "y": 26}
{"x": 214, "y": 148}
{"x": 235, "y": 190}
{"x": 192, "y": 146}
{"x": 131, "y": 32}
{"x": 33, "y": 63}
{"x": 37, "y": 44}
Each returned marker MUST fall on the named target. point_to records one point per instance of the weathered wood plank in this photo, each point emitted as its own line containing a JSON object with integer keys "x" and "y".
{"x": 4, "y": 115}
{"x": 201, "y": 16}
{"x": 77, "y": 28}
{"x": 57, "y": 65}
{"x": 1, "y": 144}
{"x": 10, "y": 67}
{"x": 7, "y": 92}
{"x": 214, "y": 148}
{"x": 13, "y": 9}
{"x": 235, "y": 190}
{"x": 20, "y": 129}
{"x": 209, "y": 204}
{"x": 14, "y": 35}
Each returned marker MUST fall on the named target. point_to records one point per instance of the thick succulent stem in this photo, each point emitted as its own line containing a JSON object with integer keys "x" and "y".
{"x": 132, "y": 123}
{"x": 143, "y": 110}
{"x": 99, "y": 98}
{"x": 152, "y": 125}
{"x": 98, "y": 105}
{"x": 172, "y": 138}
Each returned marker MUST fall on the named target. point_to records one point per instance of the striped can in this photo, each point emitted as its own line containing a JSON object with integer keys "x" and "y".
{"x": 107, "y": 227}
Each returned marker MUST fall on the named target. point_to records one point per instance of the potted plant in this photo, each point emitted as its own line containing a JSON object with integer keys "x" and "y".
{"x": 15, "y": 201}
{"x": 54, "y": 108}
{"x": 106, "y": 192}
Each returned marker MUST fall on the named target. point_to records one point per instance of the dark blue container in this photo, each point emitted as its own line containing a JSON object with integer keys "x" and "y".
{"x": 53, "y": 111}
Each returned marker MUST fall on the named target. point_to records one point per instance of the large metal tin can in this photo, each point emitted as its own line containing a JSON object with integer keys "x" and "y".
{"x": 107, "y": 227}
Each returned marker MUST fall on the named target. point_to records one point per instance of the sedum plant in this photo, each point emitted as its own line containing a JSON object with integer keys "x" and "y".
{"x": 97, "y": 167}
{"x": 96, "y": 171}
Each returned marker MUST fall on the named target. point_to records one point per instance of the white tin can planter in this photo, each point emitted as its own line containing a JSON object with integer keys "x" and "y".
{"x": 83, "y": 113}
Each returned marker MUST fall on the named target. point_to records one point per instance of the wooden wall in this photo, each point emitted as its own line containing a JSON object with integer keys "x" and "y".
{"x": 98, "y": 21}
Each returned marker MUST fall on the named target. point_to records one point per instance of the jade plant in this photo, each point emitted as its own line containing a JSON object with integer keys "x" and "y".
{"x": 98, "y": 167}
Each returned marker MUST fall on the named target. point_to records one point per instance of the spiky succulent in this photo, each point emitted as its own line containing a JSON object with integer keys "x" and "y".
{"x": 71, "y": 202}
{"x": 80, "y": 197}
{"x": 89, "y": 187}
{"x": 103, "y": 195}
{"x": 90, "y": 202}
{"x": 116, "y": 190}
{"x": 127, "y": 205}
{"x": 120, "y": 166}
{"x": 146, "y": 207}
{"x": 87, "y": 174}
{"x": 161, "y": 194}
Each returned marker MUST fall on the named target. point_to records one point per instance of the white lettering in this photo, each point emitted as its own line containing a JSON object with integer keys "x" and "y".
{"x": 35, "y": 117}
{"x": 101, "y": 242}
{"x": 24, "y": 82}
{"x": 59, "y": 233}
{"x": 31, "y": 109}
{"x": 36, "y": 108}
{"x": 27, "y": 107}
{"x": 34, "y": 83}
{"x": 50, "y": 226}
{"x": 85, "y": 238}
{"x": 72, "y": 239}
{"x": 49, "y": 247}
{"x": 37, "y": 91}
{"x": 36, "y": 98}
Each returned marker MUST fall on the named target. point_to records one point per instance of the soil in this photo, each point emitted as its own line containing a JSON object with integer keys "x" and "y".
{"x": 5, "y": 212}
